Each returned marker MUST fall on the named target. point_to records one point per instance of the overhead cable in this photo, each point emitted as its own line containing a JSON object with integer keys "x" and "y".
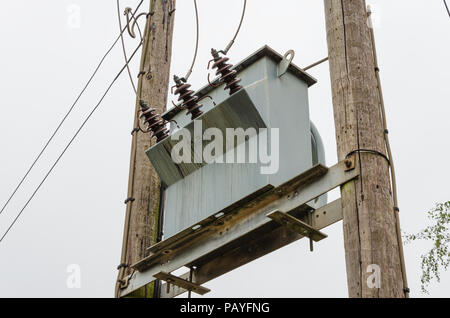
{"x": 68, "y": 145}
{"x": 63, "y": 119}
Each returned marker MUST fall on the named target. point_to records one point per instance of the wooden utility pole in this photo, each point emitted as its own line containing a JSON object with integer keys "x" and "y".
{"x": 144, "y": 186}
{"x": 370, "y": 233}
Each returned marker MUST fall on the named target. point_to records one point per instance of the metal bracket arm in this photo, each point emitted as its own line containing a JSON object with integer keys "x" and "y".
{"x": 296, "y": 225}
{"x": 183, "y": 283}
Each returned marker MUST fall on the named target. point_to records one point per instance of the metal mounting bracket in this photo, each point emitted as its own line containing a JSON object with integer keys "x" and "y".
{"x": 253, "y": 248}
{"x": 217, "y": 239}
{"x": 183, "y": 283}
{"x": 296, "y": 225}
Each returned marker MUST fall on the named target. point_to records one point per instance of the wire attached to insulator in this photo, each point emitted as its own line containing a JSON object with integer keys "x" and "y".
{"x": 185, "y": 78}
{"x": 228, "y": 47}
{"x": 156, "y": 125}
{"x": 227, "y": 75}
{"x": 189, "y": 72}
{"x": 189, "y": 101}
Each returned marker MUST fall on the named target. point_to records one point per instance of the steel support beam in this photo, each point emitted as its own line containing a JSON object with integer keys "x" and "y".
{"x": 240, "y": 221}
{"x": 252, "y": 249}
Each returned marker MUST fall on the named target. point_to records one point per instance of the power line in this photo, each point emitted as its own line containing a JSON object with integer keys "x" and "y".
{"x": 70, "y": 142}
{"x": 64, "y": 118}
{"x": 446, "y": 6}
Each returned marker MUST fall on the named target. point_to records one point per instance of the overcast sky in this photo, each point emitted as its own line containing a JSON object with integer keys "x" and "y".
{"x": 77, "y": 217}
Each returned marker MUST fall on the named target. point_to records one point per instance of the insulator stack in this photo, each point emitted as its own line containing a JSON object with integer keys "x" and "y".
{"x": 227, "y": 75}
{"x": 186, "y": 95}
{"x": 155, "y": 124}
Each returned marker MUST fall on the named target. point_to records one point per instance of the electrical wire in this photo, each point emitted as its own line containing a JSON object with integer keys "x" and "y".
{"x": 225, "y": 51}
{"x": 70, "y": 142}
{"x": 123, "y": 42}
{"x": 131, "y": 30}
{"x": 196, "y": 43}
{"x": 446, "y": 6}
{"x": 64, "y": 118}
{"x": 391, "y": 161}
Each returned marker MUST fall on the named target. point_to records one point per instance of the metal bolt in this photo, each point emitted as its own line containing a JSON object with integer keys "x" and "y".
{"x": 348, "y": 163}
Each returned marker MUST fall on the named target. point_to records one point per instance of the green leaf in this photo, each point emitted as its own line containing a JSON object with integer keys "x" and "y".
{"x": 438, "y": 257}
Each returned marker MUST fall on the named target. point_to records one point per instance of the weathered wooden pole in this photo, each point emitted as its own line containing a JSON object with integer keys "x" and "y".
{"x": 370, "y": 233}
{"x": 144, "y": 186}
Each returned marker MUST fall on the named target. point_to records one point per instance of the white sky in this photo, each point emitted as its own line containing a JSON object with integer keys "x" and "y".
{"x": 77, "y": 217}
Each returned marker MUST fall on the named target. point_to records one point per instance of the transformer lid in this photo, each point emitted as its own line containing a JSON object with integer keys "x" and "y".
{"x": 265, "y": 51}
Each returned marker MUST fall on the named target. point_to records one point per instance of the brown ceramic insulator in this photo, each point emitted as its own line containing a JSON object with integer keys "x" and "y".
{"x": 227, "y": 75}
{"x": 156, "y": 125}
{"x": 189, "y": 101}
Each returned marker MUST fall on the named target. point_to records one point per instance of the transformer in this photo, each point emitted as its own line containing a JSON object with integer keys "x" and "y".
{"x": 273, "y": 102}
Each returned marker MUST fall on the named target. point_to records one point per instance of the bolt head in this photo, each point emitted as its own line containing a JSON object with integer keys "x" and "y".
{"x": 348, "y": 163}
